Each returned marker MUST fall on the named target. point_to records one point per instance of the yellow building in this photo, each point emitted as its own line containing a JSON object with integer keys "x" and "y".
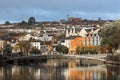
{"x": 74, "y": 43}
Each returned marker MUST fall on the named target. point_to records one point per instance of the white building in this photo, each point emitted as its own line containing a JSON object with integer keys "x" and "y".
{"x": 35, "y": 44}
{"x": 44, "y": 37}
{"x": 25, "y": 38}
{"x": 66, "y": 43}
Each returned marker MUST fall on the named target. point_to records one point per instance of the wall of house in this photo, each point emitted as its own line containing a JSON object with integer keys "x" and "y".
{"x": 2, "y": 45}
{"x": 74, "y": 43}
{"x": 36, "y": 45}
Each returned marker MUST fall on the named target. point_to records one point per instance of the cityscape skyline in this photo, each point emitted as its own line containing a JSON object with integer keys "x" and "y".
{"x": 53, "y": 10}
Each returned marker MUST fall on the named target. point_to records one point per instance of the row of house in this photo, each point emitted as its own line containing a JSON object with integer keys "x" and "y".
{"x": 74, "y": 37}
{"x": 82, "y": 37}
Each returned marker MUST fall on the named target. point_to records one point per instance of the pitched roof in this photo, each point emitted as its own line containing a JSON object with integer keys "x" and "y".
{"x": 83, "y": 32}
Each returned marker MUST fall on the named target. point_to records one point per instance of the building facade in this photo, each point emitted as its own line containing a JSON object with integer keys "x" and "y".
{"x": 82, "y": 37}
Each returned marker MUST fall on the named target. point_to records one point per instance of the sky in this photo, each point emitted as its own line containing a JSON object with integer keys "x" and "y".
{"x": 54, "y": 10}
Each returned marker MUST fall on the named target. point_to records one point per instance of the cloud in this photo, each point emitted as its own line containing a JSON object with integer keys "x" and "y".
{"x": 14, "y": 10}
{"x": 96, "y": 15}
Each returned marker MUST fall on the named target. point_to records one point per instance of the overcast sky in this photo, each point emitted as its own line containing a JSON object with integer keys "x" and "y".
{"x": 17, "y": 10}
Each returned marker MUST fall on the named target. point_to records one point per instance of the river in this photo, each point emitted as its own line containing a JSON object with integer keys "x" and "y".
{"x": 60, "y": 69}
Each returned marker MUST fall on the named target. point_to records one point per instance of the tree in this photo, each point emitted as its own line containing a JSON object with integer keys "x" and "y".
{"x": 49, "y": 46}
{"x": 16, "y": 48}
{"x": 65, "y": 49}
{"x": 8, "y": 49}
{"x": 24, "y": 46}
{"x": 78, "y": 49}
{"x": 99, "y": 19}
{"x": 7, "y": 23}
{"x": 110, "y": 35}
{"x": 59, "y": 48}
{"x": 35, "y": 51}
{"x": 31, "y": 21}
{"x": 23, "y": 24}
{"x": 62, "y": 49}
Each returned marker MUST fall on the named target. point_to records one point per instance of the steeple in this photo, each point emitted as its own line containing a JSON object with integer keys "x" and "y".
{"x": 68, "y": 17}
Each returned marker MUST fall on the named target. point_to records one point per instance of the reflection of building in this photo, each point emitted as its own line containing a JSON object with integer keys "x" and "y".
{"x": 62, "y": 71}
{"x": 90, "y": 73}
{"x": 113, "y": 72}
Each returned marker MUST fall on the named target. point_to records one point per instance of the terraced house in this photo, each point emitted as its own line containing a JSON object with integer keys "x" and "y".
{"x": 87, "y": 38}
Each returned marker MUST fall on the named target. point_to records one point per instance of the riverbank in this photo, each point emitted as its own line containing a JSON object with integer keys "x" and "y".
{"x": 41, "y": 58}
{"x": 3, "y": 59}
{"x": 113, "y": 59}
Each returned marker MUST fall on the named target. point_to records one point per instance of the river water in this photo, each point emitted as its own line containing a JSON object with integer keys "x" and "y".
{"x": 60, "y": 69}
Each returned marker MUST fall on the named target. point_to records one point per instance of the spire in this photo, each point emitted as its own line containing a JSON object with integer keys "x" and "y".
{"x": 68, "y": 17}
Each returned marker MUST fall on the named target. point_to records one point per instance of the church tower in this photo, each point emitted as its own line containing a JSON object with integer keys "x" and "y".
{"x": 68, "y": 17}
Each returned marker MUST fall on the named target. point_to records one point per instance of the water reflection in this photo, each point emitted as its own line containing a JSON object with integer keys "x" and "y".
{"x": 86, "y": 73}
{"x": 113, "y": 72}
{"x": 60, "y": 70}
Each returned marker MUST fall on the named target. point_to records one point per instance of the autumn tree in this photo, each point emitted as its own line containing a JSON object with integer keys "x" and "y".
{"x": 78, "y": 49}
{"x": 24, "y": 46}
{"x": 16, "y": 48}
{"x": 35, "y": 51}
{"x": 111, "y": 35}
